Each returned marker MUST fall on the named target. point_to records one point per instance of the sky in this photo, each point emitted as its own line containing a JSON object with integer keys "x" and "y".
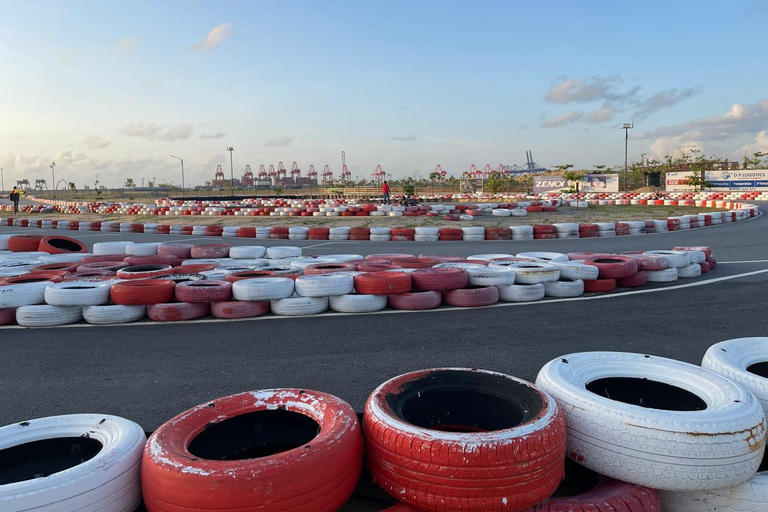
{"x": 111, "y": 89}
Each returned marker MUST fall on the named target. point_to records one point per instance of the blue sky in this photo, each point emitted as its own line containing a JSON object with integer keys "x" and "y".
{"x": 115, "y": 87}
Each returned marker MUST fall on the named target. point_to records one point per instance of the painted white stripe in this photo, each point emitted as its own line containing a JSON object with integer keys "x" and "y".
{"x": 736, "y": 262}
{"x": 438, "y": 310}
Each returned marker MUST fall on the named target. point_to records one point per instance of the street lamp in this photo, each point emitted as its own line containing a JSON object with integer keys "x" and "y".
{"x": 182, "y": 173}
{"x": 231, "y": 170}
{"x": 53, "y": 177}
{"x": 626, "y": 127}
{"x": 2, "y": 181}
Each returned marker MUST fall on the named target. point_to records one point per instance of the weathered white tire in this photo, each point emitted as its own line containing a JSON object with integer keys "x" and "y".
{"x": 427, "y": 231}
{"x": 267, "y": 288}
{"x": 473, "y": 238}
{"x": 473, "y": 230}
{"x": 342, "y": 257}
{"x": 77, "y": 294}
{"x": 108, "y": 482}
{"x": 425, "y": 238}
{"x": 518, "y": 212}
{"x": 466, "y": 217}
{"x": 714, "y": 437}
{"x": 45, "y": 315}
{"x": 293, "y": 306}
{"x": 22, "y": 294}
{"x": 567, "y": 227}
{"x": 532, "y": 273}
{"x": 692, "y": 270}
{"x": 576, "y": 270}
{"x": 247, "y": 252}
{"x": 732, "y": 358}
{"x": 105, "y": 248}
{"x": 147, "y": 249}
{"x": 544, "y": 256}
{"x": 501, "y": 212}
{"x": 490, "y": 276}
{"x": 668, "y": 275}
{"x": 751, "y": 496}
{"x": 675, "y": 259}
{"x": 64, "y": 257}
{"x": 521, "y": 230}
{"x": 565, "y": 287}
{"x": 381, "y": 231}
{"x": 357, "y": 303}
{"x": 380, "y": 238}
{"x": 113, "y": 314}
{"x": 283, "y": 251}
{"x": 697, "y": 256}
{"x": 521, "y": 292}
{"x": 458, "y": 264}
{"x": 324, "y": 285}
{"x": 489, "y": 257}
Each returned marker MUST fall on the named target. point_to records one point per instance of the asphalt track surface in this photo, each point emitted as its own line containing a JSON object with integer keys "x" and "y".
{"x": 149, "y": 372}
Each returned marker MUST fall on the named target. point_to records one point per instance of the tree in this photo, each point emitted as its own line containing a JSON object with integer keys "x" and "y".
{"x": 563, "y": 167}
{"x": 277, "y": 189}
{"x": 71, "y": 186}
{"x": 599, "y": 168}
{"x": 408, "y": 187}
{"x": 96, "y": 187}
{"x": 495, "y": 183}
{"x": 129, "y": 183}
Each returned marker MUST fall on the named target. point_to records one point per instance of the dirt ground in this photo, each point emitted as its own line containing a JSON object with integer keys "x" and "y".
{"x": 607, "y": 213}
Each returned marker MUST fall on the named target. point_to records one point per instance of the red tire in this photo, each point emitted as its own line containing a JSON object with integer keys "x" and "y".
{"x": 142, "y": 292}
{"x": 181, "y": 251}
{"x": 376, "y": 267}
{"x": 152, "y": 260}
{"x": 24, "y": 243}
{"x": 64, "y": 266}
{"x": 712, "y": 263}
{"x": 497, "y": 234}
{"x": 310, "y": 445}
{"x": 318, "y": 234}
{"x": 239, "y": 308}
{"x": 37, "y": 277}
{"x": 144, "y": 271}
{"x": 328, "y": 268}
{"x": 703, "y": 248}
{"x": 195, "y": 268}
{"x": 382, "y": 283}
{"x": 416, "y": 300}
{"x": 585, "y": 255}
{"x": 7, "y": 316}
{"x": 450, "y": 217}
{"x": 114, "y": 266}
{"x": 101, "y": 259}
{"x": 634, "y": 281}
{"x": 439, "y": 279}
{"x": 61, "y": 245}
{"x": 614, "y": 266}
{"x": 533, "y": 208}
{"x": 599, "y": 285}
{"x": 414, "y": 262}
{"x": 648, "y": 261}
{"x": 90, "y": 275}
{"x": 246, "y": 232}
{"x": 475, "y": 296}
{"x": 249, "y": 274}
{"x": 540, "y": 229}
{"x": 704, "y": 267}
{"x": 203, "y": 291}
{"x": 435, "y": 440}
{"x": 178, "y": 311}
{"x": 209, "y": 251}
{"x": 388, "y": 256}
{"x": 442, "y": 258}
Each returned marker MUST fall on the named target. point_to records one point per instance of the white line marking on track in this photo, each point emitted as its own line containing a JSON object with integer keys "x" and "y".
{"x": 317, "y": 245}
{"x": 400, "y": 311}
{"x": 735, "y": 262}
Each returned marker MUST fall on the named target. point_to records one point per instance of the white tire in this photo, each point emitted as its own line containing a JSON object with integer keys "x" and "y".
{"x": 108, "y": 481}
{"x": 501, "y": 212}
{"x": 751, "y": 496}
{"x": 266, "y": 288}
{"x": 565, "y": 287}
{"x": 670, "y": 425}
{"x": 4, "y": 242}
{"x": 283, "y": 251}
{"x": 219, "y": 274}
{"x": 427, "y": 231}
{"x": 22, "y": 294}
{"x": 45, "y": 315}
{"x": 522, "y": 237}
{"x": 426, "y": 238}
{"x": 532, "y": 273}
{"x": 697, "y": 256}
{"x": 113, "y": 314}
{"x": 148, "y": 249}
{"x": 606, "y": 226}
{"x": 519, "y": 212}
{"x": 354, "y": 303}
{"x": 466, "y": 217}
{"x": 381, "y": 231}
{"x": 489, "y": 257}
{"x": 473, "y": 238}
{"x": 324, "y": 285}
{"x": 106, "y": 248}
{"x": 490, "y": 276}
{"x": 668, "y": 275}
{"x": 744, "y": 361}
{"x": 473, "y": 230}
{"x": 675, "y": 259}
{"x": 340, "y": 230}
{"x": 458, "y": 264}
{"x": 521, "y": 292}
{"x": 521, "y": 230}
{"x": 303, "y": 262}
{"x": 567, "y": 227}
{"x": 576, "y": 270}
{"x": 544, "y": 256}
{"x": 247, "y": 252}
{"x": 296, "y": 306}
{"x": 692, "y": 270}
{"x": 603, "y": 234}
{"x": 338, "y": 238}
{"x": 379, "y": 238}
{"x": 77, "y": 294}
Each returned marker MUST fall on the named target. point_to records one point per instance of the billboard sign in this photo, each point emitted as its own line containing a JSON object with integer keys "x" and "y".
{"x": 599, "y": 183}
{"x": 549, "y": 184}
{"x": 678, "y": 181}
{"x": 739, "y": 181}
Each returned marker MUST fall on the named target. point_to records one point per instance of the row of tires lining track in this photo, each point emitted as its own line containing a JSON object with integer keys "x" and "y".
{"x": 641, "y": 433}
{"x": 124, "y": 282}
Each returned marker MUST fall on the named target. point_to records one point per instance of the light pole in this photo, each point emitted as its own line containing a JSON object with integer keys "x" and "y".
{"x": 53, "y": 177}
{"x": 182, "y": 173}
{"x": 231, "y": 170}
{"x": 2, "y": 181}
{"x": 626, "y": 127}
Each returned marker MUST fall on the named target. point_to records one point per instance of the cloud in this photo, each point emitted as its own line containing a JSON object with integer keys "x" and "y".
{"x": 217, "y": 135}
{"x": 663, "y": 99}
{"x": 760, "y": 144}
{"x": 152, "y": 131}
{"x": 128, "y": 44}
{"x": 215, "y": 37}
{"x": 570, "y": 117}
{"x": 576, "y": 90}
{"x": 279, "y": 142}
{"x": 605, "y": 113}
{"x": 95, "y": 142}
{"x": 214, "y": 160}
{"x": 741, "y": 119}
{"x": 404, "y": 138}
{"x": 153, "y": 81}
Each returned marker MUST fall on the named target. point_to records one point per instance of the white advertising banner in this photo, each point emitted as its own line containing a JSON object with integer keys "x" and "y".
{"x": 747, "y": 180}
{"x": 599, "y": 183}
{"x": 549, "y": 184}
{"x": 677, "y": 181}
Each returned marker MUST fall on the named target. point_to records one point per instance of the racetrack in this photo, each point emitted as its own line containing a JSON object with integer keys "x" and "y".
{"x": 150, "y": 372}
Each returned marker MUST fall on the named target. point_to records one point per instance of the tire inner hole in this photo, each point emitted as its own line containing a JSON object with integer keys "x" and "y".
{"x": 760, "y": 369}
{"x": 46, "y": 457}
{"x": 578, "y": 480}
{"x": 253, "y": 435}
{"x": 646, "y": 393}
{"x": 65, "y": 245}
{"x": 608, "y": 260}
